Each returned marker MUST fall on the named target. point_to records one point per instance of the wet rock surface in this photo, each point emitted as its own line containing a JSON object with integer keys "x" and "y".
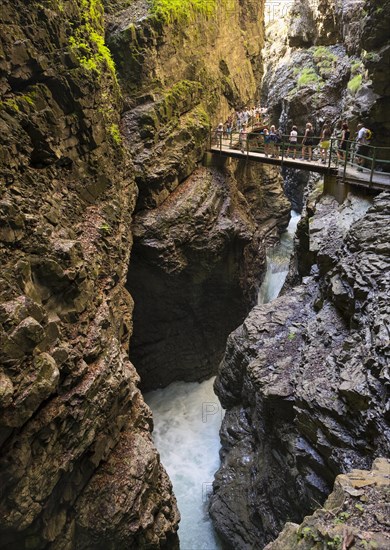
{"x": 325, "y": 62}
{"x": 354, "y": 516}
{"x": 78, "y": 468}
{"x": 199, "y": 234}
{"x": 195, "y": 269}
{"x": 305, "y": 380}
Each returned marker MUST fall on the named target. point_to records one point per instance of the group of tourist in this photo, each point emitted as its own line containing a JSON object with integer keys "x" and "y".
{"x": 240, "y": 120}
{"x": 270, "y": 138}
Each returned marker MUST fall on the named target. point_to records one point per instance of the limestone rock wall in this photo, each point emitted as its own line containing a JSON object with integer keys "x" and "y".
{"x": 78, "y": 468}
{"x": 354, "y": 515}
{"x": 327, "y": 61}
{"x": 199, "y": 234}
{"x": 196, "y": 266}
{"x": 305, "y": 380}
{"x": 180, "y": 77}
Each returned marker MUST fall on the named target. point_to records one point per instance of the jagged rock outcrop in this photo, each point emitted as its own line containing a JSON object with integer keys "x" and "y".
{"x": 78, "y": 466}
{"x": 195, "y": 268}
{"x": 355, "y": 516}
{"x": 198, "y": 252}
{"x": 305, "y": 380}
{"x": 182, "y": 72}
{"x": 326, "y": 61}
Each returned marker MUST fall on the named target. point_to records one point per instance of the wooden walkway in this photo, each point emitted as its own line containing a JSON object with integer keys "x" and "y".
{"x": 350, "y": 175}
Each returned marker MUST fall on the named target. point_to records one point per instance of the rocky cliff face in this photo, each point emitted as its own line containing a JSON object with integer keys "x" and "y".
{"x": 327, "y": 61}
{"x": 195, "y": 269}
{"x": 83, "y": 147}
{"x": 78, "y": 467}
{"x": 353, "y": 517}
{"x": 198, "y": 251}
{"x": 304, "y": 380}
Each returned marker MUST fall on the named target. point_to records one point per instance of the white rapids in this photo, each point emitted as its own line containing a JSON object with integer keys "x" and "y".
{"x": 187, "y": 419}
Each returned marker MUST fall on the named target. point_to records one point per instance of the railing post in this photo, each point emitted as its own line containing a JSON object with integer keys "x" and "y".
{"x": 345, "y": 160}
{"x": 330, "y": 152}
{"x": 282, "y": 150}
{"x": 231, "y": 139}
{"x": 372, "y": 165}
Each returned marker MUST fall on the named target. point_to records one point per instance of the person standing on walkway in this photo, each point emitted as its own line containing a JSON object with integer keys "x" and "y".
{"x": 243, "y": 138}
{"x": 362, "y": 146}
{"x": 219, "y": 134}
{"x": 343, "y": 141}
{"x": 293, "y": 140}
{"x": 325, "y": 143}
{"x": 307, "y": 142}
{"x": 274, "y": 141}
{"x": 267, "y": 142}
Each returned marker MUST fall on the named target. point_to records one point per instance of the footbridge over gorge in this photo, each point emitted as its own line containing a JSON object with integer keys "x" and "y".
{"x": 370, "y": 170}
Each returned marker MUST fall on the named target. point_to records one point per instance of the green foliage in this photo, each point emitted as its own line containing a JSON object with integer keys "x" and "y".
{"x": 106, "y": 228}
{"x": 291, "y": 336}
{"x": 87, "y": 41}
{"x": 359, "y": 507}
{"x": 309, "y": 534}
{"x": 174, "y": 10}
{"x": 184, "y": 10}
{"x": 322, "y": 53}
{"x": 29, "y": 98}
{"x": 10, "y": 104}
{"x": 356, "y": 67}
{"x": 115, "y": 133}
{"x": 325, "y": 60}
{"x": 307, "y": 77}
{"x": 355, "y": 83}
{"x": 342, "y": 517}
{"x": 372, "y": 57}
{"x": 335, "y": 542}
{"x": 19, "y": 102}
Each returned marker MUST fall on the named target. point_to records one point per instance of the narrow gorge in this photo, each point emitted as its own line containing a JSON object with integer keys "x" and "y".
{"x": 131, "y": 262}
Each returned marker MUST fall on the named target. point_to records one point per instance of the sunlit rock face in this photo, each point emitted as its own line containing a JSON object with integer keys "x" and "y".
{"x": 179, "y": 76}
{"x": 78, "y": 466}
{"x": 198, "y": 251}
{"x": 326, "y": 61}
{"x": 305, "y": 379}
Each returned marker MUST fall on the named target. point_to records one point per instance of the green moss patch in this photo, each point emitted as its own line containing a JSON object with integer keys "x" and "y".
{"x": 325, "y": 61}
{"x": 185, "y": 10}
{"x": 355, "y": 84}
{"x": 87, "y": 40}
{"x": 307, "y": 77}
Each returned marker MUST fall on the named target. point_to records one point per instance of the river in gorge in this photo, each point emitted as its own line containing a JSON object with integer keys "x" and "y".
{"x": 187, "y": 419}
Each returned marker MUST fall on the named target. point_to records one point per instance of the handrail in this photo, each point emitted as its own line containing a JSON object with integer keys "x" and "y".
{"x": 350, "y": 160}
{"x": 251, "y": 134}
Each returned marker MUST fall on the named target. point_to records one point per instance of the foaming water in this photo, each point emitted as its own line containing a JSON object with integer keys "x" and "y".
{"x": 278, "y": 261}
{"x": 187, "y": 419}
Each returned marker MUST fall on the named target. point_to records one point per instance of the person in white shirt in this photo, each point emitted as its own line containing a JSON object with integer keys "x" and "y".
{"x": 243, "y": 138}
{"x": 293, "y": 141}
{"x": 362, "y": 146}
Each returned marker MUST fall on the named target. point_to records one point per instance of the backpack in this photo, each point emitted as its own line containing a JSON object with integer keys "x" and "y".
{"x": 368, "y": 134}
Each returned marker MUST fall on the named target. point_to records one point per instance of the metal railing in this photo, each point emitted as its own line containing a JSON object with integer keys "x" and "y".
{"x": 352, "y": 161}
